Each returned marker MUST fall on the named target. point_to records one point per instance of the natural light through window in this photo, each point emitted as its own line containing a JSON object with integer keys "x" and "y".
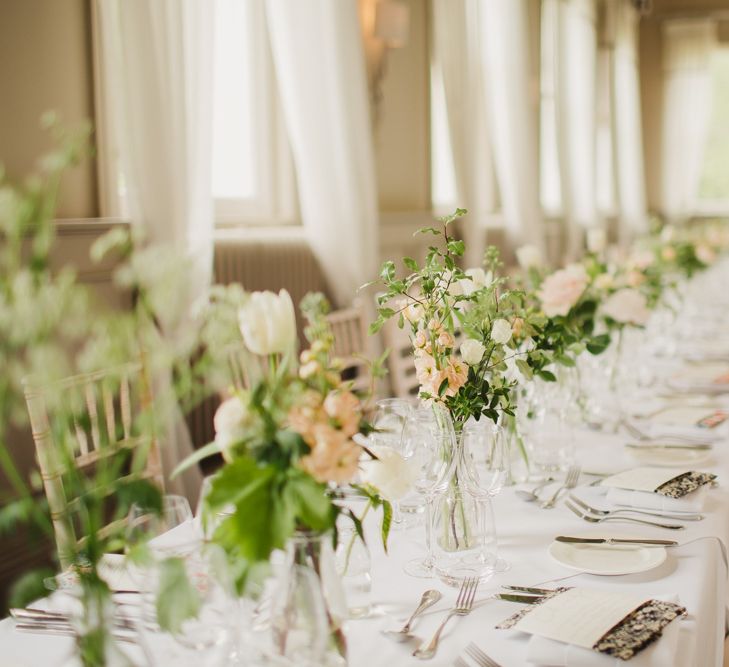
{"x": 714, "y": 184}
{"x": 233, "y": 155}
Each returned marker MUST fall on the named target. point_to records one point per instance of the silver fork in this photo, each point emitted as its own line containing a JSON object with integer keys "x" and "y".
{"x": 638, "y": 434}
{"x": 570, "y": 482}
{"x": 460, "y": 662}
{"x": 463, "y": 606}
{"x": 482, "y": 660}
{"x": 600, "y": 519}
{"x": 679, "y": 516}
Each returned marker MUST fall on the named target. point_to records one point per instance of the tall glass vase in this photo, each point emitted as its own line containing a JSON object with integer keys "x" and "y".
{"x": 309, "y": 605}
{"x": 95, "y": 642}
{"x": 464, "y": 535}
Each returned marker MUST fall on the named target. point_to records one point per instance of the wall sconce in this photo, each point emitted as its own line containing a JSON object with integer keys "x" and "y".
{"x": 390, "y": 31}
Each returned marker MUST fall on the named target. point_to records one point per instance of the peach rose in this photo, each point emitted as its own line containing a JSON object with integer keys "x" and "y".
{"x": 333, "y": 457}
{"x": 668, "y": 253}
{"x": 344, "y": 408}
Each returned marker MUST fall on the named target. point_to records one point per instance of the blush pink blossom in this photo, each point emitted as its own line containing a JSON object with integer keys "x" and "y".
{"x": 562, "y": 290}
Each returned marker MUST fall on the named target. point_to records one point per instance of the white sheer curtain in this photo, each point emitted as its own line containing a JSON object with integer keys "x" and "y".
{"x": 457, "y": 63}
{"x": 155, "y": 74}
{"x": 688, "y": 46}
{"x": 576, "y": 57}
{"x": 319, "y": 61}
{"x": 507, "y": 55}
{"x": 626, "y": 117}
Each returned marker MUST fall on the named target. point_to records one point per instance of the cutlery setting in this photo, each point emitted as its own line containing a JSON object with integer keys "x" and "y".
{"x": 590, "y": 517}
{"x": 680, "y": 516}
{"x": 571, "y": 480}
{"x": 428, "y": 599}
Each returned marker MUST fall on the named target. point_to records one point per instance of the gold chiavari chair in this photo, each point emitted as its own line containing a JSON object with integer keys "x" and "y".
{"x": 81, "y": 422}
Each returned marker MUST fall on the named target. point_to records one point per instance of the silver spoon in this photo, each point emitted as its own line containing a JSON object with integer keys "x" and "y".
{"x": 531, "y": 496}
{"x": 428, "y": 600}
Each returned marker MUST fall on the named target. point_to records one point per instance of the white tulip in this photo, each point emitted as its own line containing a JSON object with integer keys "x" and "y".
{"x": 268, "y": 323}
{"x": 596, "y": 240}
{"x": 501, "y": 331}
{"x": 390, "y": 473}
{"x": 472, "y": 351}
{"x": 529, "y": 256}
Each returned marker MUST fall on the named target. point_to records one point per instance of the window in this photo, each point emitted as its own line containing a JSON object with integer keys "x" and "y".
{"x": 549, "y": 173}
{"x": 252, "y": 172}
{"x": 714, "y": 184}
{"x": 444, "y": 193}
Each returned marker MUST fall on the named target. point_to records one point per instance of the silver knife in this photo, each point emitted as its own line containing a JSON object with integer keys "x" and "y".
{"x": 693, "y": 446}
{"x": 523, "y": 599}
{"x": 614, "y": 540}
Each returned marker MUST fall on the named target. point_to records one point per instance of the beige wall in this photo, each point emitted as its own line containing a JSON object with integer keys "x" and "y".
{"x": 46, "y": 64}
{"x": 402, "y": 137}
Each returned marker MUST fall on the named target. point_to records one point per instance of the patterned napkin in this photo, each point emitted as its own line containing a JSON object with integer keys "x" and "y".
{"x": 634, "y": 632}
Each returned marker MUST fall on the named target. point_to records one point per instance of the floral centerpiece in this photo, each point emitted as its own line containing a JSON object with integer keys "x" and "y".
{"x": 471, "y": 336}
{"x": 287, "y": 437}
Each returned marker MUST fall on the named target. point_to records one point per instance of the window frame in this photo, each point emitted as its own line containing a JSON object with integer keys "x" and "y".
{"x": 274, "y": 202}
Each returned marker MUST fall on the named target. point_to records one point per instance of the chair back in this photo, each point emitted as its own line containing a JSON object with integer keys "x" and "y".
{"x": 349, "y": 329}
{"x": 80, "y": 422}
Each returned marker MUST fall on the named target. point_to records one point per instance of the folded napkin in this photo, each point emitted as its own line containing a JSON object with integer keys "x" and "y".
{"x": 551, "y": 653}
{"x": 693, "y": 502}
{"x": 665, "y": 424}
{"x": 706, "y": 378}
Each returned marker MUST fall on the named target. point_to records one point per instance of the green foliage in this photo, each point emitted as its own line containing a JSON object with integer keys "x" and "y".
{"x": 178, "y": 599}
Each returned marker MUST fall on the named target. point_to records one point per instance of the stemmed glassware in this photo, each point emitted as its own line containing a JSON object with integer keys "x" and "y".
{"x": 432, "y": 448}
{"x": 171, "y": 534}
{"x": 393, "y": 421}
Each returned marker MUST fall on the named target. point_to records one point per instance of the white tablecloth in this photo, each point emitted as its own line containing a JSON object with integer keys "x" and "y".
{"x": 695, "y": 573}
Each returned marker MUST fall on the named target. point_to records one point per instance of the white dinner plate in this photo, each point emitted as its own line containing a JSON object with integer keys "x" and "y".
{"x": 607, "y": 559}
{"x": 669, "y": 458}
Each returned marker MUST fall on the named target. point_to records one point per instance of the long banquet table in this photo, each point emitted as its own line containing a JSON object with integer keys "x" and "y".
{"x": 696, "y": 573}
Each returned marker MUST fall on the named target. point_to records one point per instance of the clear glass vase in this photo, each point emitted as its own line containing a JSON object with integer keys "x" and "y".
{"x": 464, "y": 533}
{"x": 309, "y": 606}
{"x": 96, "y": 645}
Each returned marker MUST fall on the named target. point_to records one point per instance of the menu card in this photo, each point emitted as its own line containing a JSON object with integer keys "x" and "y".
{"x": 579, "y": 616}
{"x": 618, "y": 624}
{"x": 641, "y": 479}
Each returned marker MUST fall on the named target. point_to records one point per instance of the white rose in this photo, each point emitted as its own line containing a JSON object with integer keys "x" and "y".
{"x": 472, "y": 351}
{"x": 604, "y": 281}
{"x": 668, "y": 233}
{"x": 627, "y": 306}
{"x": 230, "y": 421}
{"x": 501, "y": 331}
{"x": 596, "y": 240}
{"x": 268, "y": 323}
{"x": 413, "y": 313}
{"x": 391, "y": 474}
{"x": 529, "y": 256}
{"x": 478, "y": 280}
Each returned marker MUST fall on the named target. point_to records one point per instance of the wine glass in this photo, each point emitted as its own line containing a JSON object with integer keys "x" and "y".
{"x": 431, "y": 444}
{"x": 392, "y": 422}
